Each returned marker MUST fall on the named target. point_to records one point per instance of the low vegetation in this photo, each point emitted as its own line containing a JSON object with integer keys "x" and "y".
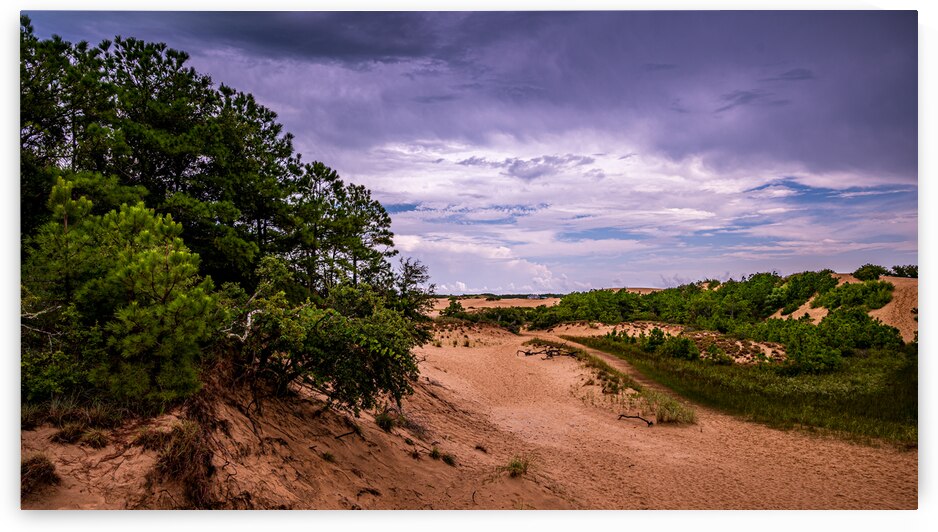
{"x": 36, "y": 472}
{"x": 664, "y": 407}
{"x": 186, "y": 458}
{"x": 873, "y": 395}
{"x": 868, "y": 295}
{"x": 517, "y": 466}
{"x": 170, "y": 227}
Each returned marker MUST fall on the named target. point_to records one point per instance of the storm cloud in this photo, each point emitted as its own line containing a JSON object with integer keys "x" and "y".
{"x": 675, "y": 144}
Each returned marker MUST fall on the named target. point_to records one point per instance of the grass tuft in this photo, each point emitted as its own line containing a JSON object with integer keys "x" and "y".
{"x": 517, "y": 466}
{"x": 94, "y": 438}
{"x": 187, "y": 458}
{"x": 151, "y": 439}
{"x": 36, "y": 472}
{"x": 70, "y": 432}
{"x": 385, "y": 420}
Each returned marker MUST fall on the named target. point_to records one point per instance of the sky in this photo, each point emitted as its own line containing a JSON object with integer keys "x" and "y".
{"x": 560, "y": 151}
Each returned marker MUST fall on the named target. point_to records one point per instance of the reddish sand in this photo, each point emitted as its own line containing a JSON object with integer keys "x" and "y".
{"x": 485, "y": 404}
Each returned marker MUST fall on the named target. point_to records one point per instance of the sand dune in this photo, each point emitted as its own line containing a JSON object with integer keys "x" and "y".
{"x": 485, "y": 404}
{"x": 897, "y": 313}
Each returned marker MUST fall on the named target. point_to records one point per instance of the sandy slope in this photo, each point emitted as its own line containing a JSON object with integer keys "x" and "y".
{"x": 722, "y": 462}
{"x": 897, "y": 313}
{"x": 485, "y": 404}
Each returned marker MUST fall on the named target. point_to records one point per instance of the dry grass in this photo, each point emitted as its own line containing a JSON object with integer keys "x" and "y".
{"x": 36, "y": 472}
{"x": 70, "y": 432}
{"x": 187, "y": 458}
{"x": 94, "y": 438}
{"x": 151, "y": 439}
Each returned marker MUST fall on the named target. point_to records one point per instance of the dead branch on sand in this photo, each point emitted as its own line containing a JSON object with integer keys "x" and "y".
{"x": 636, "y": 417}
{"x": 548, "y": 352}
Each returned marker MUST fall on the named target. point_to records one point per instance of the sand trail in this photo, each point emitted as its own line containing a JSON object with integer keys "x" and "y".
{"x": 721, "y": 462}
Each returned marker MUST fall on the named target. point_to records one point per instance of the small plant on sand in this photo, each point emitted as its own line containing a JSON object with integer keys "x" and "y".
{"x": 151, "y": 439}
{"x": 517, "y": 467}
{"x": 94, "y": 438}
{"x": 435, "y": 453}
{"x": 31, "y": 416}
{"x": 36, "y": 472}
{"x": 448, "y": 459}
{"x": 385, "y": 420}
{"x": 187, "y": 458}
{"x": 70, "y": 433}
{"x": 465, "y": 343}
{"x": 329, "y": 457}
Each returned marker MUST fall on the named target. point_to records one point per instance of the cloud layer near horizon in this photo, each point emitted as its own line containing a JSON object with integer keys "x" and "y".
{"x": 550, "y": 152}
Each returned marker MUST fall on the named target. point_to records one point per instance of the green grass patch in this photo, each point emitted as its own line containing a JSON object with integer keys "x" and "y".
{"x": 873, "y": 396}
{"x": 518, "y": 466}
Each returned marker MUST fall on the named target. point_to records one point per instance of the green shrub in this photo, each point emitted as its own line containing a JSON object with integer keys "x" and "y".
{"x": 385, "y": 420}
{"x": 517, "y": 466}
{"x": 131, "y": 309}
{"x": 716, "y": 355}
{"x": 679, "y": 347}
{"x": 454, "y": 310}
{"x": 910, "y": 270}
{"x": 868, "y": 294}
{"x": 448, "y": 459}
{"x": 870, "y": 272}
{"x": 354, "y": 360}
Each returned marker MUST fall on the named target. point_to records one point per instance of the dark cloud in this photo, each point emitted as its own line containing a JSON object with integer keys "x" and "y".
{"x": 436, "y": 98}
{"x": 795, "y": 74}
{"x": 523, "y": 74}
{"x": 530, "y": 169}
{"x": 654, "y": 67}
{"x": 742, "y": 97}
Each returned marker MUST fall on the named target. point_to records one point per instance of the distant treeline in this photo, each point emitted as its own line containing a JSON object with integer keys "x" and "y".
{"x": 740, "y": 308}
{"x": 167, "y": 223}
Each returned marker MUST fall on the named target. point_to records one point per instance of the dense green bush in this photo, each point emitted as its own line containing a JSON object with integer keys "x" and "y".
{"x": 910, "y": 270}
{"x": 870, "y": 272}
{"x": 131, "y": 311}
{"x": 353, "y": 358}
{"x": 679, "y": 347}
{"x": 868, "y": 294}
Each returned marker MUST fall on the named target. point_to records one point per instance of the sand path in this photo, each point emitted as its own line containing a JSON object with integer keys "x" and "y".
{"x": 576, "y": 444}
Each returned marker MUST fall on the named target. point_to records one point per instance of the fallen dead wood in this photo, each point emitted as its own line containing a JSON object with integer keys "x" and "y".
{"x": 636, "y": 417}
{"x": 548, "y": 352}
